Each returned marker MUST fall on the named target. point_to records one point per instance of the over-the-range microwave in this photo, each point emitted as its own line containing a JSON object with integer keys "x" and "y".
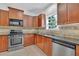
{"x": 15, "y": 22}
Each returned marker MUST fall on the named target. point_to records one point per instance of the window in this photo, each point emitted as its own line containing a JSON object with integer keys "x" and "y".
{"x": 52, "y": 22}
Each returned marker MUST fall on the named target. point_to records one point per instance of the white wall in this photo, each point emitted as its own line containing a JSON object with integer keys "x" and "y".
{"x": 5, "y": 6}
{"x": 52, "y": 10}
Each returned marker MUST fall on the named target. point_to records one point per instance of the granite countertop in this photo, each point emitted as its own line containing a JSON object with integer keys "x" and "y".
{"x": 74, "y": 41}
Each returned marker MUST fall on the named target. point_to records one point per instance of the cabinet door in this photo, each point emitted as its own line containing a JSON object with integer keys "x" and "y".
{"x": 25, "y": 20}
{"x": 73, "y": 12}
{"x": 41, "y": 20}
{"x": 35, "y": 36}
{"x": 40, "y": 41}
{"x": 3, "y": 43}
{"x": 15, "y": 13}
{"x": 47, "y": 46}
{"x": 62, "y": 14}
{"x": 4, "y": 21}
{"x": 37, "y": 40}
{"x": 28, "y": 39}
{"x": 44, "y": 42}
{"x": 77, "y": 50}
{"x": 28, "y": 21}
{"x": 20, "y": 15}
{"x": 35, "y": 21}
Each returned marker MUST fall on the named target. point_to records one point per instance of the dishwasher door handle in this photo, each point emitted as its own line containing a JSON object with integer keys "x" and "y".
{"x": 67, "y": 44}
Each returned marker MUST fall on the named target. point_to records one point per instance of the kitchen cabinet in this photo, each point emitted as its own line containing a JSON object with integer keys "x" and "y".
{"x": 77, "y": 50}
{"x": 47, "y": 45}
{"x": 41, "y": 20}
{"x": 39, "y": 41}
{"x": 68, "y": 13}
{"x": 28, "y": 21}
{"x": 4, "y": 21}
{"x": 35, "y": 21}
{"x": 73, "y": 12}
{"x": 3, "y": 43}
{"x": 29, "y": 39}
{"x": 15, "y": 13}
{"x": 25, "y": 19}
{"x": 44, "y": 43}
{"x": 62, "y": 14}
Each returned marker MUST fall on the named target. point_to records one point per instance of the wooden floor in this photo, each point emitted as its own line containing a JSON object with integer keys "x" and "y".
{"x": 26, "y": 51}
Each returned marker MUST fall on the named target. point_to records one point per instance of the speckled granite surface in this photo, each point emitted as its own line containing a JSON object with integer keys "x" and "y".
{"x": 63, "y": 33}
{"x": 74, "y": 41}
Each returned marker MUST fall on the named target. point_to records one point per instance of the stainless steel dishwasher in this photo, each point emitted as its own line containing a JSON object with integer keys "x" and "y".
{"x": 62, "y": 48}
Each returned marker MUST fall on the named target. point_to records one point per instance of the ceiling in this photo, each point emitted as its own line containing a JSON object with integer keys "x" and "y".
{"x": 32, "y": 8}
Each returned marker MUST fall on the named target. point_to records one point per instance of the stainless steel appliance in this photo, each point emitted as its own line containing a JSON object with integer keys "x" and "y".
{"x": 15, "y": 22}
{"x": 15, "y": 39}
{"x": 62, "y": 48}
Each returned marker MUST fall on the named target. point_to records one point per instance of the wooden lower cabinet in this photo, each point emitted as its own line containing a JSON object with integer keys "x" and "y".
{"x": 47, "y": 45}
{"x": 77, "y": 50}
{"x": 39, "y": 41}
{"x": 3, "y": 43}
{"x": 44, "y": 43}
{"x": 29, "y": 39}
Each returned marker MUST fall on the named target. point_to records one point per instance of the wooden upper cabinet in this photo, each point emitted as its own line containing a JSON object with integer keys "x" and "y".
{"x": 73, "y": 12}
{"x": 35, "y": 21}
{"x": 25, "y": 19}
{"x": 15, "y": 13}
{"x": 28, "y": 21}
{"x": 41, "y": 20}
{"x": 68, "y": 13}
{"x": 4, "y": 20}
{"x": 3, "y": 43}
{"x": 62, "y": 14}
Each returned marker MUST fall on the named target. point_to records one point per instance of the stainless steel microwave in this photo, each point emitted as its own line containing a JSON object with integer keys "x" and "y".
{"x": 15, "y": 22}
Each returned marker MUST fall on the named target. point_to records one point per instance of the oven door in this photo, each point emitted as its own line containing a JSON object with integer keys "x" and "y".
{"x": 15, "y": 40}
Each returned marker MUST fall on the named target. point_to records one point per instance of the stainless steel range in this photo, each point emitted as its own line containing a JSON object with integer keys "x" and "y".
{"x": 15, "y": 39}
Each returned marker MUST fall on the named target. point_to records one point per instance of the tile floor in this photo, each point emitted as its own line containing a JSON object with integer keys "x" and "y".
{"x": 26, "y": 51}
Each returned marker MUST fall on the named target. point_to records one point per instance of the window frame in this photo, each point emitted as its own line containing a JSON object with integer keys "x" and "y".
{"x": 47, "y": 25}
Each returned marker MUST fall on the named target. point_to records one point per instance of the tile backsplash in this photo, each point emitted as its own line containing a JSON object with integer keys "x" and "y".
{"x": 69, "y": 27}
